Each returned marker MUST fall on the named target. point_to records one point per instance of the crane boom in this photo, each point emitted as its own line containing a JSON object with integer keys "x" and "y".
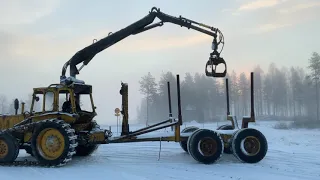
{"x": 86, "y": 54}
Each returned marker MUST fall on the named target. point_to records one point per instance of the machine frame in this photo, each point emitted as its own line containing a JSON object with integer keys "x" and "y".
{"x": 204, "y": 145}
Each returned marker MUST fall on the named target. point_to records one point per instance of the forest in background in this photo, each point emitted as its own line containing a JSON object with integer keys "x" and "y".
{"x": 281, "y": 93}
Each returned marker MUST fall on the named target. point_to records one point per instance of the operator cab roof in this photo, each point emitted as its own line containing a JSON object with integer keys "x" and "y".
{"x": 79, "y": 87}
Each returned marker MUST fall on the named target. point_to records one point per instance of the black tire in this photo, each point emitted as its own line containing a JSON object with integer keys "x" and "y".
{"x": 86, "y": 150}
{"x": 183, "y": 144}
{"x": 197, "y": 154}
{"x": 9, "y": 148}
{"x": 225, "y": 127}
{"x": 17, "y": 150}
{"x": 227, "y": 149}
{"x": 256, "y": 137}
{"x": 69, "y": 138}
{"x": 83, "y": 150}
{"x": 28, "y": 150}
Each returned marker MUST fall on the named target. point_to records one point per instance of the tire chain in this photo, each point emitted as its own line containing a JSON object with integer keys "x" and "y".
{"x": 26, "y": 163}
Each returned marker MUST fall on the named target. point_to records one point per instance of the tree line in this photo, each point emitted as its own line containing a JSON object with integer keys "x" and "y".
{"x": 7, "y": 106}
{"x": 284, "y": 93}
{"x": 280, "y": 93}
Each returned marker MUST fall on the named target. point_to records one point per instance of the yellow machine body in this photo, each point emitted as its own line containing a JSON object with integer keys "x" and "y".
{"x": 79, "y": 121}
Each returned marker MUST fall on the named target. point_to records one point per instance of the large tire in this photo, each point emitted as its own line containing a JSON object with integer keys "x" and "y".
{"x": 53, "y": 154}
{"x": 249, "y": 145}
{"x": 227, "y": 149}
{"x": 83, "y": 150}
{"x": 28, "y": 150}
{"x": 183, "y": 144}
{"x": 205, "y": 146}
{"x": 225, "y": 127}
{"x": 9, "y": 148}
{"x": 86, "y": 150}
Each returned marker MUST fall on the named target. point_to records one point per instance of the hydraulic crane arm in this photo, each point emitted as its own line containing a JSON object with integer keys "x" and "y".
{"x": 86, "y": 54}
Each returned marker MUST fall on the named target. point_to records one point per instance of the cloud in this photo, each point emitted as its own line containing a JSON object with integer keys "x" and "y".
{"x": 15, "y": 12}
{"x": 278, "y": 14}
{"x": 269, "y": 27}
{"x": 253, "y": 5}
{"x": 226, "y": 10}
{"x": 7, "y": 40}
{"x": 37, "y": 46}
{"x": 299, "y": 7}
{"x": 258, "y": 4}
{"x": 162, "y": 43}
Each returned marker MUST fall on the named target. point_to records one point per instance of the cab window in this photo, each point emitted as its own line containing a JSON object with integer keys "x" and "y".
{"x": 49, "y": 101}
{"x": 85, "y": 102}
{"x": 43, "y": 102}
{"x": 63, "y": 99}
{"x": 38, "y": 104}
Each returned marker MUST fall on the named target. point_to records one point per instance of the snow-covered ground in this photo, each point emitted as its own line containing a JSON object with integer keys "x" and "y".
{"x": 292, "y": 155}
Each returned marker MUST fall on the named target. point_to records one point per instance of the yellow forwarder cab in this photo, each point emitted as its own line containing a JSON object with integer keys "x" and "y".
{"x": 59, "y": 124}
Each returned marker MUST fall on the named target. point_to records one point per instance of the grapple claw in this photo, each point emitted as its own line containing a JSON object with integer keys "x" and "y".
{"x": 212, "y": 64}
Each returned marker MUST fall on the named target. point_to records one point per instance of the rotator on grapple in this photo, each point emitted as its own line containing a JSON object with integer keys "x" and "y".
{"x": 54, "y": 136}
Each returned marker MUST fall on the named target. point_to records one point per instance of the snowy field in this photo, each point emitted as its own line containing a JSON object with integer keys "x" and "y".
{"x": 292, "y": 155}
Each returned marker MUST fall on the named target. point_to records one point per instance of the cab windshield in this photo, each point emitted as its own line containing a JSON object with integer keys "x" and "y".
{"x": 82, "y": 102}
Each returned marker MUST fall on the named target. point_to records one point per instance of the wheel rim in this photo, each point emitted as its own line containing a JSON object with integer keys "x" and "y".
{"x": 3, "y": 149}
{"x": 50, "y": 143}
{"x": 207, "y": 146}
{"x": 250, "y": 146}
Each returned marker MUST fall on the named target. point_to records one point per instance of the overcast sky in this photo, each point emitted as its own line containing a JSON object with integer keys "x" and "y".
{"x": 38, "y": 36}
